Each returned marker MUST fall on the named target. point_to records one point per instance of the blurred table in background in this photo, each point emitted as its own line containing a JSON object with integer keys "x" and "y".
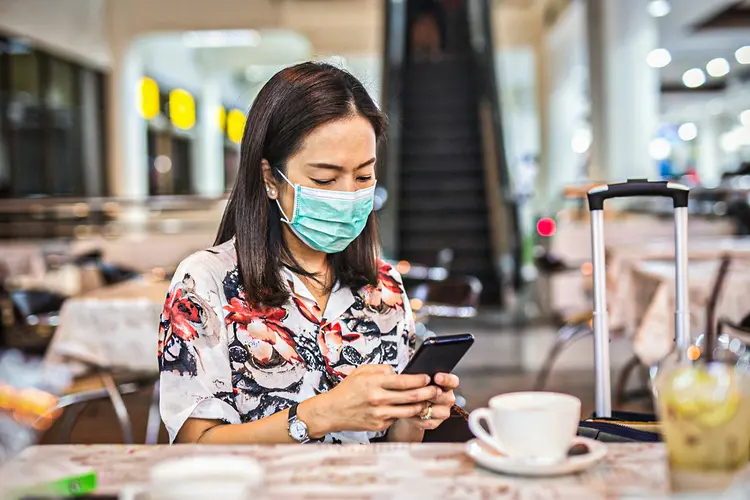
{"x": 366, "y": 472}
{"x": 626, "y": 292}
{"x": 22, "y": 258}
{"x": 626, "y": 236}
{"x": 144, "y": 252}
{"x": 653, "y": 302}
{"x": 113, "y": 327}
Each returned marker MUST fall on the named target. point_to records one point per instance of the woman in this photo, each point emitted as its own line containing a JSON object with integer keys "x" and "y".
{"x": 291, "y": 329}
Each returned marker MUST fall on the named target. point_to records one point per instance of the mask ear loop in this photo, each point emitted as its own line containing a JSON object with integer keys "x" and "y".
{"x": 286, "y": 219}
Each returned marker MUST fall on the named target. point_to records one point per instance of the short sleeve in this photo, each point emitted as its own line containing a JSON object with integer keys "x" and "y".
{"x": 406, "y": 328}
{"x": 195, "y": 374}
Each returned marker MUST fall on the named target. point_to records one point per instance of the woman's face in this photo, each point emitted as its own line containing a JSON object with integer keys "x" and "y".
{"x": 339, "y": 156}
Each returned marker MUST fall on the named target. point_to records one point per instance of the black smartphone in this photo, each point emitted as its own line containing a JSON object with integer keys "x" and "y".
{"x": 439, "y": 354}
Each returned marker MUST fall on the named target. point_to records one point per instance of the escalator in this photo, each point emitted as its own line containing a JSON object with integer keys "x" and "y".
{"x": 445, "y": 164}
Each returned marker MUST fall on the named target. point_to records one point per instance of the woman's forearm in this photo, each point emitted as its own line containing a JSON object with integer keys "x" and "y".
{"x": 403, "y": 432}
{"x": 268, "y": 430}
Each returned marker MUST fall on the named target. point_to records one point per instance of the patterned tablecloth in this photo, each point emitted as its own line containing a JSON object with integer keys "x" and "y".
{"x": 365, "y": 472}
{"x": 114, "y": 327}
{"x": 655, "y": 301}
{"x": 624, "y": 267}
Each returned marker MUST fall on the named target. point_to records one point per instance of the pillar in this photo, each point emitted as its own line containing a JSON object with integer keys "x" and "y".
{"x": 709, "y": 161}
{"x": 128, "y": 162}
{"x": 127, "y": 168}
{"x": 624, "y": 89}
{"x": 208, "y": 153}
{"x": 564, "y": 103}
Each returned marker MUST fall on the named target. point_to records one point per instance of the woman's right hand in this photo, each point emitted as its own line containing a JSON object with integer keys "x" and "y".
{"x": 371, "y": 398}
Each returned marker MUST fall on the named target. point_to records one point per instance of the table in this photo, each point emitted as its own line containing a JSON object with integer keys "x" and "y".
{"x": 22, "y": 258}
{"x": 144, "y": 252}
{"x": 624, "y": 264}
{"x": 654, "y": 281}
{"x": 365, "y": 472}
{"x": 114, "y": 327}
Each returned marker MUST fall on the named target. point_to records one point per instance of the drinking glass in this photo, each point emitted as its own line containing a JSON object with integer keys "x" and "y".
{"x": 704, "y": 410}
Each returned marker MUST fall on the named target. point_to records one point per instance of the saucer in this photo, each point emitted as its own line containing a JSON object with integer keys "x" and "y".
{"x": 495, "y": 461}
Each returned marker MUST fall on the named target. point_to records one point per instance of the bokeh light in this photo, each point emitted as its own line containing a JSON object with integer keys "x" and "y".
{"x": 182, "y": 109}
{"x": 148, "y": 98}
{"x": 694, "y": 78}
{"x": 658, "y": 58}
{"x": 546, "y": 227}
{"x": 687, "y": 131}
{"x": 743, "y": 55}
{"x": 659, "y": 8}
{"x": 718, "y": 67}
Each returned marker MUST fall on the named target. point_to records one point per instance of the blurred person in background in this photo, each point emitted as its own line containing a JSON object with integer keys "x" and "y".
{"x": 427, "y": 29}
{"x": 426, "y": 36}
{"x": 291, "y": 329}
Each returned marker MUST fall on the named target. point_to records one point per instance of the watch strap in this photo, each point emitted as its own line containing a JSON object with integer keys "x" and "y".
{"x": 293, "y": 412}
{"x": 292, "y": 417}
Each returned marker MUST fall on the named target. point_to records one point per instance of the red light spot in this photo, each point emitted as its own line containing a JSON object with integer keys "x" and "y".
{"x": 546, "y": 226}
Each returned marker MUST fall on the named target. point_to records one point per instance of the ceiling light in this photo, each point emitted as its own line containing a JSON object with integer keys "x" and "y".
{"x": 658, "y": 58}
{"x": 659, "y": 149}
{"x": 743, "y": 55}
{"x": 694, "y": 78}
{"x": 221, "y": 38}
{"x": 718, "y": 67}
{"x": 687, "y": 131}
{"x": 659, "y": 8}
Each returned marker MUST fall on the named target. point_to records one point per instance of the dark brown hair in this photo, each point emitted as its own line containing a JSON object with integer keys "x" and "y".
{"x": 294, "y": 102}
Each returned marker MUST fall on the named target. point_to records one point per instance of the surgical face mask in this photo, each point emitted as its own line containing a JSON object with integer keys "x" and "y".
{"x": 328, "y": 221}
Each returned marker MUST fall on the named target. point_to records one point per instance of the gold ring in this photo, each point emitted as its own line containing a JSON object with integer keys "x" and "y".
{"x": 427, "y": 414}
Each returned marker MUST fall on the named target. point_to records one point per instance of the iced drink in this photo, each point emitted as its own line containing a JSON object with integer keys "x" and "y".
{"x": 705, "y": 419}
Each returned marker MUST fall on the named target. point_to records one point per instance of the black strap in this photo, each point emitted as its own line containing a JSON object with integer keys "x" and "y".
{"x": 293, "y": 412}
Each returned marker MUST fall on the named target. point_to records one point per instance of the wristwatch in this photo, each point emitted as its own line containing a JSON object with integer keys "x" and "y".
{"x": 297, "y": 428}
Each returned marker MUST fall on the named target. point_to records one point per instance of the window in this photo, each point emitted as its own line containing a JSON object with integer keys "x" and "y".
{"x": 64, "y": 129}
{"x": 44, "y": 147}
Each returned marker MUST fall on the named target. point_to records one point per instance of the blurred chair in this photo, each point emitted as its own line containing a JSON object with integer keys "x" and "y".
{"x": 452, "y": 297}
{"x": 549, "y": 266}
{"x": 573, "y": 327}
{"x": 739, "y": 330}
{"x": 29, "y": 318}
{"x": 110, "y": 273}
{"x": 739, "y": 210}
{"x": 445, "y": 258}
{"x": 105, "y": 384}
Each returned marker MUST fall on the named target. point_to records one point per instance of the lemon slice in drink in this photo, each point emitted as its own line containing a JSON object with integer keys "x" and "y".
{"x": 707, "y": 397}
{"x": 715, "y": 414}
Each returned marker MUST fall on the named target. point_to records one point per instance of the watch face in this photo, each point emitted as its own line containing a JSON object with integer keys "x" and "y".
{"x": 298, "y": 430}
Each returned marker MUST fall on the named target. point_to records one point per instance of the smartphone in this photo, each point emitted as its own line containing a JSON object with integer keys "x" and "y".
{"x": 439, "y": 354}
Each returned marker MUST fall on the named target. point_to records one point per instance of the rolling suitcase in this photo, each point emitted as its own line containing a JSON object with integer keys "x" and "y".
{"x": 606, "y": 425}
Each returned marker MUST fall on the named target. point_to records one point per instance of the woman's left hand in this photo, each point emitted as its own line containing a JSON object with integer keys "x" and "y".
{"x": 441, "y": 406}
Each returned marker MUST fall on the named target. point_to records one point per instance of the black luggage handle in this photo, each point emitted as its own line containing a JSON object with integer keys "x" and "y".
{"x": 638, "y": 187}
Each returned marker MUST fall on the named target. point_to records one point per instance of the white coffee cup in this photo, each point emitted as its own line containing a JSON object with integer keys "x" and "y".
{"x": 198, "y": 477}
{"x": 536, "y": 426}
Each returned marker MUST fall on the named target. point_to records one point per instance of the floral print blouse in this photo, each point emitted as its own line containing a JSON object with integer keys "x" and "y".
{"x": 220, "y": 359}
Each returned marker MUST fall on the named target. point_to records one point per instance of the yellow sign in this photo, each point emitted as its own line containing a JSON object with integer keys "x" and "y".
{"x": 148, "y": 93}
{"x": 222, "y": 118}
{"x": 182, "y": 109}
{"x": 235, "y": 125}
